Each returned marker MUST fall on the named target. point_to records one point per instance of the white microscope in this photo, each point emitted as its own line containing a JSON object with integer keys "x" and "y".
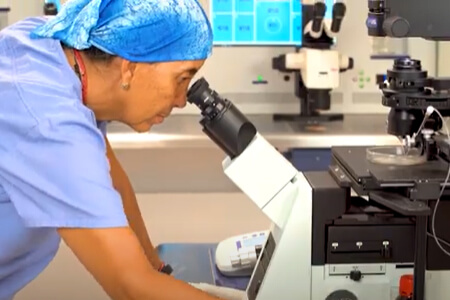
{"x": 316, "y": 64}
{"x": 274, "y": 185}
{"x": 287, "y": 266}
{"x": 317, "y": 67}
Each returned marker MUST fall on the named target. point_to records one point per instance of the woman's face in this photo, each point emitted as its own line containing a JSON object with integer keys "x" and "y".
{"x": 154, "y": 90}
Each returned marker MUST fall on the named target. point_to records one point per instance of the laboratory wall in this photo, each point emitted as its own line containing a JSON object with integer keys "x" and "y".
{"x": 24, "y": 8}
{"x": 235, "y": 80}
{"x": 443, "y": 61}
{"x": 358, "y": 92}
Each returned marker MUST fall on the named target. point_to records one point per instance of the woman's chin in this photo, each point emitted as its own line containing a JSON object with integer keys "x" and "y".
{"x": 147, "y": 125}
{"x": 142, "y": 127}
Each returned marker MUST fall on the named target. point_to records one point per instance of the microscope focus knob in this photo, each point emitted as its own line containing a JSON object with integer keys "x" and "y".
{"x": 355, "y": 275}
{"x": 341, "y": 295}
{"x": 397, "y": 27}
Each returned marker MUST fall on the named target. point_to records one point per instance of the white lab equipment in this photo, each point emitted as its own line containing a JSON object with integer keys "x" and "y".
{"x": 237, "y": 255}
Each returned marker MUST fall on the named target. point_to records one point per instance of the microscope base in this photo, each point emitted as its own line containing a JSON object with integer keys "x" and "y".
{"x": 379, "y": 282}
{"x": 308, "y": 119}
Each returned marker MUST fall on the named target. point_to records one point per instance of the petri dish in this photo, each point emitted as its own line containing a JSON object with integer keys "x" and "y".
{"x": 395, "y": 156}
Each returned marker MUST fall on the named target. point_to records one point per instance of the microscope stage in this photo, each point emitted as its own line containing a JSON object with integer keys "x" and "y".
{"x": 353, "y": 163}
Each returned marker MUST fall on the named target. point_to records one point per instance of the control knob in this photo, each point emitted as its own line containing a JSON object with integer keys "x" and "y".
{"x": 341, "y": 295}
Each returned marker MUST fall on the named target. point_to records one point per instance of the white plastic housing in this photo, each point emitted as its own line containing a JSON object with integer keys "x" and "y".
{"x": 260, "y": 172}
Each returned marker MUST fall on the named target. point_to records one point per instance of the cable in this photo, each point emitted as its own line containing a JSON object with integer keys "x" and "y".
{"x": 430, "y": 110}
{"x": 407, "y": 145}
{"x": 441, "y": 240}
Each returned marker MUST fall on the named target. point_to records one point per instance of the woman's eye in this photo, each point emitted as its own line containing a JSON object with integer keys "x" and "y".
{"x": 183, "y": 79}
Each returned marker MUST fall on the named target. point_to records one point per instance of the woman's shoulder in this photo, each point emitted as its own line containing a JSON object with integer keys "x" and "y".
{"x": 38, "y": 83}
{"x": 35, "y": 72}
{"x": 28, "y": 59}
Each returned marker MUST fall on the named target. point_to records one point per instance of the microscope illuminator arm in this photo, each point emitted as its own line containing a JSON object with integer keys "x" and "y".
{"x": 294, "y": 61}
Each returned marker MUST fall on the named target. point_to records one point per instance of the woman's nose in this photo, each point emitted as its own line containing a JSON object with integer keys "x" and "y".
{"x": 180, "y": 102}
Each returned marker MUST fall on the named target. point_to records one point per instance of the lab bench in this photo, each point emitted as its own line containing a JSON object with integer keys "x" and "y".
{"x": 161, "y": 161}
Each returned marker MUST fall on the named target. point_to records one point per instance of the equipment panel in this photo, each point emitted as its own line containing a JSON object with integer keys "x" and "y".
{"x": 258, "y": 22}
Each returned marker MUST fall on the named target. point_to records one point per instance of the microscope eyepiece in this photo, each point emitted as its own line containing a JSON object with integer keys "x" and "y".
{"x": 199, "y": 94}
{"x": 210, "y": 103}
{"x": 222, "y": 122}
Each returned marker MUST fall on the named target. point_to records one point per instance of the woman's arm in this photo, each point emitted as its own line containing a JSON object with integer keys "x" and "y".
{"x": 116, "y": 260}
{"x": 123, "y": 186}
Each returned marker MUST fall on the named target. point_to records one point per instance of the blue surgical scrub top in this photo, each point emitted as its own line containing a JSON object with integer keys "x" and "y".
{"x": 54, "y": 172}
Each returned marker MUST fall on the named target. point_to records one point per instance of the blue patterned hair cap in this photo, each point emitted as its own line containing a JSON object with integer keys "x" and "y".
{"x": 136, "y": 30}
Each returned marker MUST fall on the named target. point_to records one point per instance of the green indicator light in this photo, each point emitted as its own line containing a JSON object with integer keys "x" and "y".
{"x": 260, "y": 78}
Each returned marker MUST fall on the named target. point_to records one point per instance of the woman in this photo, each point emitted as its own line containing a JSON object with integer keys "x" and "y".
{"x": 61, "y": 79}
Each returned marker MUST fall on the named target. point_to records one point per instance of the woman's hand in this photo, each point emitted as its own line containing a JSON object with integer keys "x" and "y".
{"x": 221, "y": 292}
{"x": 117, "y": 261}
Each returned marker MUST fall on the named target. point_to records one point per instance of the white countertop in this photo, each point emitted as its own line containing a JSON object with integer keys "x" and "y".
{"x": 184, "y": 131}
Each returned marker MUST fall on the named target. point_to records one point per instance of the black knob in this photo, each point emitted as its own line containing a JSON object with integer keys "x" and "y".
{"x": 351, "y": 63}
{"x": 341, "y": 295}
{"x": 396, "y": 27}
{"x": 355, "y": 275}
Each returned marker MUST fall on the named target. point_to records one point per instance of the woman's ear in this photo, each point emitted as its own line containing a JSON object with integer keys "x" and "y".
{"x": 127, "y": 71}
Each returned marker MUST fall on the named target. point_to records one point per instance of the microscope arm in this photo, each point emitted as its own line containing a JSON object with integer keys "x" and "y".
{"x": 266, "y": 177}
{"x": 253, "y": 164}
{"x": 298, "y": 61}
